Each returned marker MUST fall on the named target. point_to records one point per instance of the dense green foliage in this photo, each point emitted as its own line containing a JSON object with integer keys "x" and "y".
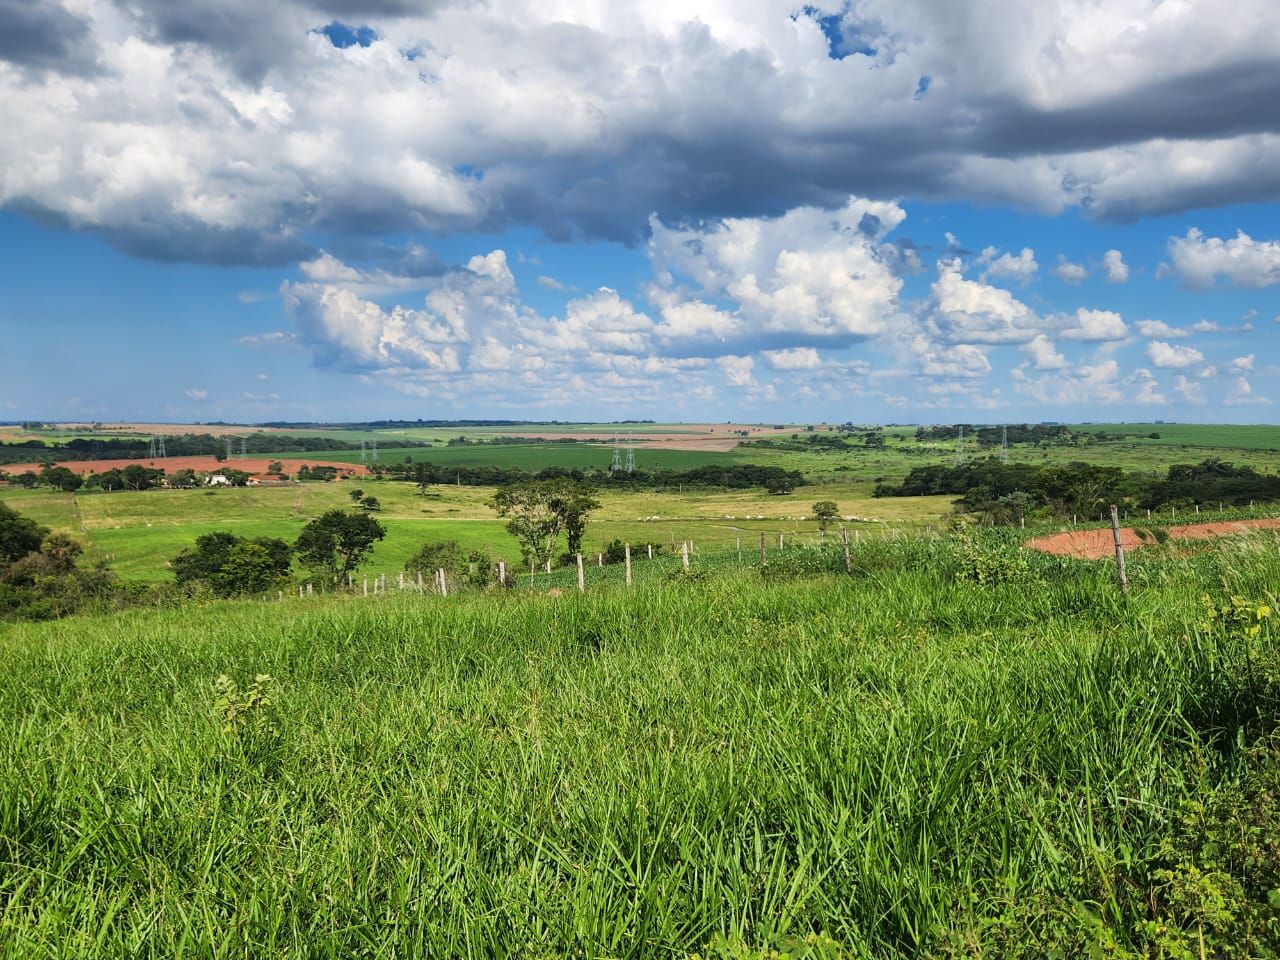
{"x": 337, "y": 542}
{"x": 41, "y": 577}
{"x": 178, "y": 445}
{"x": 732, "y": 476}
{"x": 925, "y": 759}
{"x": 1008, "y": 491}
{"x": 228, "y": 566}
{"x": 470, "y": 568}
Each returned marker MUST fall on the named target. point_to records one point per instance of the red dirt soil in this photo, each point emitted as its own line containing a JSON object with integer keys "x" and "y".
{"x": 257, "y": 468}
{"x": 1095, "y": 544}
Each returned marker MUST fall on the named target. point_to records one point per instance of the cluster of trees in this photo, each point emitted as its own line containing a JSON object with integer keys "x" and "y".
{"x": 133, "y": 477}
{"x": 333, "y": 545}
{"x": 179, "y": 445}
{"x": 1034, "y": 434}
{"x": 1008, "y": 492}
{"x": 41, "y": 574}
{"x": 738, "y": 476}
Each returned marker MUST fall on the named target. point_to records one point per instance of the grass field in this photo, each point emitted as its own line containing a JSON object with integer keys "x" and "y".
{"x": 902, "y": 762}
{"x": 1239, "y": 437}
{"x": 137, "y": 533}
{"x": 533, "y": 456}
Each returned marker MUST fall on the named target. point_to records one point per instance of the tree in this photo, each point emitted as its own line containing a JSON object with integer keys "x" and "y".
{"x": 337, "y": 542}
{"x": 229, "y": 565}
{"x": 138, "y": 477}
{"x": 356, "y": 495}
{"x": 62, "y": 479}
{"x": 19, "y": 535}
{"x": 371, "y": 504}
{"x": 573, "y": 502}
{"x": 777, "y": 486}
{"x": 532, "y": 517}
{"x": 539, "y": 510}
{"x": 826, "y": 512}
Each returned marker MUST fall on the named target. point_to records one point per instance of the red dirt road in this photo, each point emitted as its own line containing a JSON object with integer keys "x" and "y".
{"x": 1095, "y": 544}
{"x": 199, "y": 464}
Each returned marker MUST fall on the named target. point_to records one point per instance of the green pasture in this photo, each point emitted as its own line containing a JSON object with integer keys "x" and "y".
{"x": 900, "y": 763}
{"x": 531, "y": 457}
{"x": 137, "y": 533}
{"x": 1221, "y": 436}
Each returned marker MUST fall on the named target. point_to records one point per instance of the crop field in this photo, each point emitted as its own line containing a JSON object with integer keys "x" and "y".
{"x": 905, "y": 762}
{"x": 1240, "y": 437}
{"x": 533, "y": 456}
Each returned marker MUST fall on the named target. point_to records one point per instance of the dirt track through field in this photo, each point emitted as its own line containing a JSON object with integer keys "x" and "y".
{"x": 1095, "y": 544}
{"x": 171, "y": 464}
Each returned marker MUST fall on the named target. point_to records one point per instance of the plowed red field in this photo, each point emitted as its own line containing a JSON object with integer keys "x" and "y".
{"x": 1093, "y": 544}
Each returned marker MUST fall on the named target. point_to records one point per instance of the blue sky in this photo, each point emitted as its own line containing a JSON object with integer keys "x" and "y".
{"x": 380, "y": 208}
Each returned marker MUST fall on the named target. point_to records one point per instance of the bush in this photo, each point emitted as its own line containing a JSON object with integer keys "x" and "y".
{"x": 473, "y": 568}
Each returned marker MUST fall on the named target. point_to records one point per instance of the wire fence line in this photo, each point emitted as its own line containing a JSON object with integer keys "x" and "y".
{"x": 644, "y": 561}
{"x": 657, "y": 559}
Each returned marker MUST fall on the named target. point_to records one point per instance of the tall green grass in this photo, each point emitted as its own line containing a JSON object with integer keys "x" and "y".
{"x": 901, "y": 760}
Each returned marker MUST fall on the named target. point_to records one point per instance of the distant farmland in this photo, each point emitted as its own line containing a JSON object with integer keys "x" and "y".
{"x": 1261, "y": 436}
{"x": 533, "y": 456}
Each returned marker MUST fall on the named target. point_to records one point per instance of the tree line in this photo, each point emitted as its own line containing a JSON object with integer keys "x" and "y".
{"x": 738, "y": 476}
{"x": 1009, "y": 492}
{"x": 178, "y": 445}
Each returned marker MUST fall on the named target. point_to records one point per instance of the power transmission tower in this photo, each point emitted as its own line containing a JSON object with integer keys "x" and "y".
{"x": 160, "y": 452}
{"x": 151, "y": 448}
{"x": 1004, "y": 444}
{"x": 631, "y": 455}
{"x": 362, "y": 451}
{"x": 230, "y": 452}
{"x": 960, "y": 446}
{"x": 616, "y": 464}
{"x": 373, "y": 451}
{"x": 243, "y": 450}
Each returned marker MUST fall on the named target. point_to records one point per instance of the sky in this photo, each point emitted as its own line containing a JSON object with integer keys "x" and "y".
{"x": 873, "y": 211}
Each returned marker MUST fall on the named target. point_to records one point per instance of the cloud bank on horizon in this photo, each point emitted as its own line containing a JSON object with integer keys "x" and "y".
{"x": 766, "y": 168}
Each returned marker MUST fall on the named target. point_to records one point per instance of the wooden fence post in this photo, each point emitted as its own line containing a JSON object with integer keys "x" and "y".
{"x": 419, "y": 581}
{"x": 627, "y": 548}
{"x": 402, "y": 583}
{"x": 684, "y": 554}
{"x": 844, "y": 538}
{"x": 739, "y": 551}
{"x": 366, "y": 584}
{"x": 444, "y": 589}
{"x": 650, "y": 551}
{"x": 763, "y": 561}
{"x": 502, "y": 572}
{"x": 779, "y": 539}
{"x": 600, "y": 559}
{"x": 1115, "y": 535}
{"x": 582, "y": 583}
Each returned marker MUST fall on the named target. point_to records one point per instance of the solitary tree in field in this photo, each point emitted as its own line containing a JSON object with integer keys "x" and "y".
{"x": 534, "y": 517}
{"x": 538, "y": 511}
{"x": 356, "y": 495}
{"x": 573, "y": 502}
{"x": 826, "y": 512}
{"x": 337, "y": 542}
